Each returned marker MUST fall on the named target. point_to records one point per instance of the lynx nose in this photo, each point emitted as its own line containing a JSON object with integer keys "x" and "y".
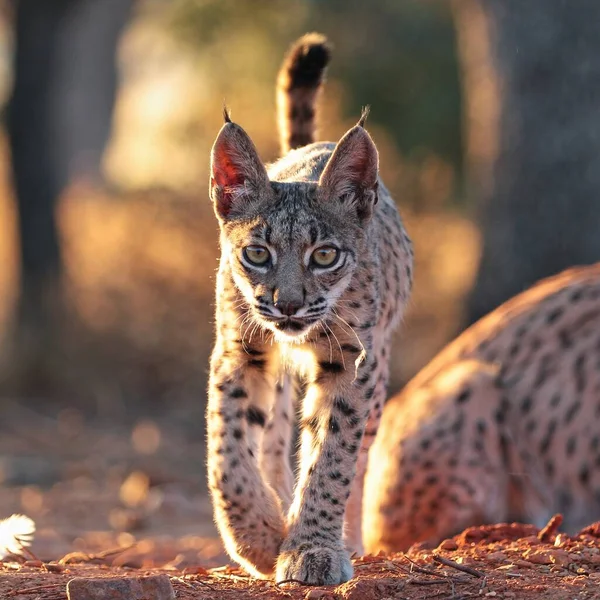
{"x": 287, "y": 307}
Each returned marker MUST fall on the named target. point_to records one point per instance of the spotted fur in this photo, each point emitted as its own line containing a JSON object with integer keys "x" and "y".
{"x": 289, "y": 315}
{"x": 502, "y": 425}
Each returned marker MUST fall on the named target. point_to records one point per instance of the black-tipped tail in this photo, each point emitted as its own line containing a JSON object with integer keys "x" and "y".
{"x": 300, "y": 79}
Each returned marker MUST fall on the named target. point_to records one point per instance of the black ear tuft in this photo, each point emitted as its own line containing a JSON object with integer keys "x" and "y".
{"x": 363, "y": 115}
{"x": 226, "y": 115}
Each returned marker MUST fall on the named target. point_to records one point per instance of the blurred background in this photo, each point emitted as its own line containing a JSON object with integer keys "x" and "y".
{"x": 485, "y": 113}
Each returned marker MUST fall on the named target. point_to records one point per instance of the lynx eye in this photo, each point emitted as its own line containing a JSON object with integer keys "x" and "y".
{"x": 325, "y": 256}
{"x": 257, "y": 255}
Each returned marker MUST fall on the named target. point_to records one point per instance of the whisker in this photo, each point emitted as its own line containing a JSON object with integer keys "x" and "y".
{"x": 322, "y": 323}
{"x": 338, "y": 343}
{"x": 363, "y": 354}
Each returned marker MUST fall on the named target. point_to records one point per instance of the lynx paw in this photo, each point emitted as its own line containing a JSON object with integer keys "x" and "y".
{"x": 314, "y": 565}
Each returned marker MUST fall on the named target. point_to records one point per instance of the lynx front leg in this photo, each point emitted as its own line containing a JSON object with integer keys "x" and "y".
{"x": 246, "y": 509}
{"x": 374, "y": 386}
{"x": 335, "y": 413}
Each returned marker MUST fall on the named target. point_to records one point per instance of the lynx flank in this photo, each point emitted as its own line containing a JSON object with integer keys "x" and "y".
{"x": 314, "y": 275}
{"x": 502, "y": 425}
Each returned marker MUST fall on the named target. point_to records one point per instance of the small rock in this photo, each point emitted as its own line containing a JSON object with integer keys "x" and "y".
{"x": 33, "y": 563}
{"x": 421, "y": 546}
{"x": 195, "y": 570}
{"x": 316, "y": 594}
{"x": 594, "y": 576}
{"x": 154, "y": 587}
{"x": 532, "y": 540}
{"x": 448, "y": 545}
{"x": 496, "y": 557}
{"x": 538, "y": 557}
{"x": 560, "y": 557}
{"x": 574, "y": 556}
{"x": 524, "y": 564}
{"x": 363, "y": 589}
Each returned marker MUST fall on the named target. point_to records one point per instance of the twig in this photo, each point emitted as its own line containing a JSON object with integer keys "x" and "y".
{"x": 450, "y": 563}
{"x": 190, "y": 584}
{"x": 417, "y": 581}
{"x": 298, "y": 581}
{"x": 83, "y": 557}
{"x": 107, "y": 553}
{"x": 420, "y": 569}
{"x": 231, "y": 576}
{"x": 37, "y": 588}
{"x": 26, "y": 550}
{"x": 414, "y": 566}
{"x": 427, "y": 571}
{"x": 550, "y": 528}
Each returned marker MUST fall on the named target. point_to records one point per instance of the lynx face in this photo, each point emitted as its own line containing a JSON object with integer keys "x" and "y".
{"x": 292, "y": 246}
{"x": 294, "y": 261}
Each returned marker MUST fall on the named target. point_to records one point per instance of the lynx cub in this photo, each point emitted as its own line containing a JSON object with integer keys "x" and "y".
{"x": 314, "y": 275}
{"x": 502, "y": 425}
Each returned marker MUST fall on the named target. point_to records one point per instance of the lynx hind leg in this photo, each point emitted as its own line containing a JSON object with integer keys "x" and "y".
{"x": 277, "y": 441}
{"x": 436, "y": 466}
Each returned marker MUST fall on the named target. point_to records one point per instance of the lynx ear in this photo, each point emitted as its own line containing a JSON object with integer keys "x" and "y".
{"x": 350, "y": 175}
{"x": 237, "y": 174}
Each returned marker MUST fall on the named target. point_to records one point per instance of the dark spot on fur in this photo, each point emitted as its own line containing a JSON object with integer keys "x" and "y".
{"x": 572, "y": 411}
{"x": 255, "y": 416}
{"x": 343, "y": 406}
{"x": 257, "y": 363}
{"x": 331, "y": 367}
{"x": 464, "y": 396}
{"x": 334, "y": 426}
{"x": 350, "y": 348}
{"x": 547, "y": 439}
{"x": 554, "y": 315}
{"x": 526, "y": 405}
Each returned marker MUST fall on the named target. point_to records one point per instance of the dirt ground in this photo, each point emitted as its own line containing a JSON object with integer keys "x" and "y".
{"x": 500, "y": 561}
{"x": 117, "y": 501}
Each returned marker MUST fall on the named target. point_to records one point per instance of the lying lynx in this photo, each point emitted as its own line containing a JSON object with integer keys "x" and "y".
{"x": 503, "y": 425}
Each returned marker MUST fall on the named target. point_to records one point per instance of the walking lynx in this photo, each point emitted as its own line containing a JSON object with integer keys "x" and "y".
{"x": 501, "y": 425}
{"x": 314, "y": 275}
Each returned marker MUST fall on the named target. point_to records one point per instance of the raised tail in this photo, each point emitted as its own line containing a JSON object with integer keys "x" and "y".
{"x": 298, "y": 84}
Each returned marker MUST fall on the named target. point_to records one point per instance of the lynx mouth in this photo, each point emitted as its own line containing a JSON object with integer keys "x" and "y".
{"x": 291, "y": 328}
{"x": 292, "y": 325}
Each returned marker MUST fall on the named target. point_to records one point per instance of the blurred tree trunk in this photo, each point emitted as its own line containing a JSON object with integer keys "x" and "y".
{"x": 58, "y": 122}
{"x": 531, "y": 75}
